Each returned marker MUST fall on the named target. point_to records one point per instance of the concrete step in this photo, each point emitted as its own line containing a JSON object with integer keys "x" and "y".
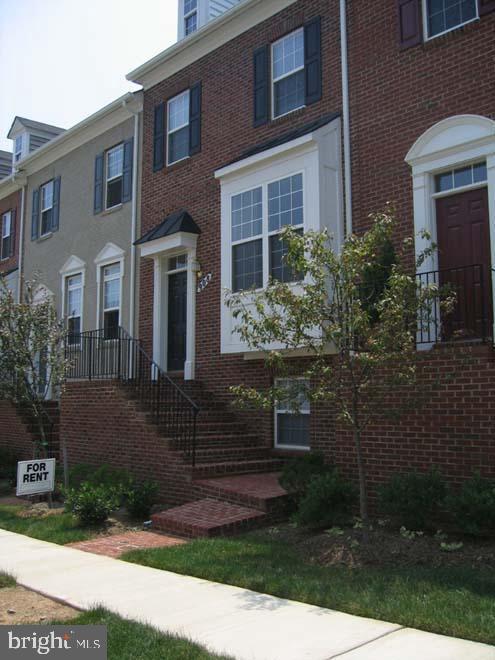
{"x": 256, "y": 491}
{"x": 207, "y": 517}
{"x": 209, "y": 470}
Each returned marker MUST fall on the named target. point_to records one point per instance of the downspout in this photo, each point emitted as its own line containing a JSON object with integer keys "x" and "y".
{"x": 134, "y": 212}
{"x": 346, "y": 118}
{"x": 21, "y": 244}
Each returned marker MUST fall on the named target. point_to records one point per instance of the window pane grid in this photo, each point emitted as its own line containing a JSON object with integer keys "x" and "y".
{"x": 247, "y": 215}
{"x": 178, "y": 128}
{"x": 460, "y": 177}
{"x": 189, "y": 6}
{"x": 279, "y": 268}
{"x": 444, "y": 15}
{"x": 115, "y": 162}
{"x": 288, "y": 55}
{"x": 285, "y": 203}
{"x": 47, "y": 196}
{"x": 191, "y": 24}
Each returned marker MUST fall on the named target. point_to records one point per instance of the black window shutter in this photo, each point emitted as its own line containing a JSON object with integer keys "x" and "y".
{"x": 12, "y": 232}
{"x": 312, "y": 60}
{"x": 56, "y": 204}
{"x": 35, "y": 215}
{"x": 261, "y": 60}
{"x": 486, "y": 6}
{"x": 159, "y": 138}
{"x": 195, "y": 119}
{"x": 127, "y": 171}
{"x": 98, "y": 185}
{"x": 410, "y": 23}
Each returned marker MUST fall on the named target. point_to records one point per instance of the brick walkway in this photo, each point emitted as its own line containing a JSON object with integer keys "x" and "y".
{"x": 114, "y": 546}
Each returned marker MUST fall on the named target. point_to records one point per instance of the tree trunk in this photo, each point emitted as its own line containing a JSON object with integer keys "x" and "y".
{"x": 363, "y": 491}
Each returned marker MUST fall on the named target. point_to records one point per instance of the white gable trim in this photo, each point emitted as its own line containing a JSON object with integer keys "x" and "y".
{"x": 110, "y": 252}
{"x": 72, "y": 265}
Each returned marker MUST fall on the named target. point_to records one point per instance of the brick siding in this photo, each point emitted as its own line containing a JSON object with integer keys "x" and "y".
{"x": 14, "y": 433}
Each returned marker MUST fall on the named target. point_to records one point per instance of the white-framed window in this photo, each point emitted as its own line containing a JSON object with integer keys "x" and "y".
{"x": 112, "y": 294}
{"x": 6, "y": 235}
{"x": 18, "y": 148}
{"x": 288, "y": 76}
{"x": 178, "y": 128}
{"x": 46, "y": 219}
{"x": 190, "y": 16}
{"x": 114, "y": 176}
{"x": 466, "y": 176}
{"x": 73, "y": 309}
{"x": 292, "y": 415}
{"x": 441, "y": 16}
{"x": 257, "y": 218}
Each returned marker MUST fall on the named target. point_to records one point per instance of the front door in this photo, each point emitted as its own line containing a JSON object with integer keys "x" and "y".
{"x": 463, "y": 233}
{"x": 177, "y": 321}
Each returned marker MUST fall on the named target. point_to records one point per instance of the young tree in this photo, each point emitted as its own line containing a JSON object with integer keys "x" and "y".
{"x": 354, "y": 313}
{"x": 32, "y": 355}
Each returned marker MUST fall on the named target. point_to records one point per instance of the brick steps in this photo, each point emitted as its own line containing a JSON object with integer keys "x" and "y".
{"x": 223, "y": 453}
{"x": 256, "y": 491}
{"x": 207, "y": 470}
{"x": 206, "y": 518}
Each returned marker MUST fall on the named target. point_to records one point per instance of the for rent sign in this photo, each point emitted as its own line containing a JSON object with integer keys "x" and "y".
{"x": 35, "y": 477}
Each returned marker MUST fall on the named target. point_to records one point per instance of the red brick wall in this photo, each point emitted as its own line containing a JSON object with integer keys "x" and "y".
{"x": 99, "y": 424}
{"x": 14, "y": 433}
{"x": 10, "y": 203}
{"x": 396, "y": 95}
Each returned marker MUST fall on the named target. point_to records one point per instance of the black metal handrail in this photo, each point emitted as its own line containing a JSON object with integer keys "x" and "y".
{"x": 470, "y": 315}
{"x": 100, "y": 354}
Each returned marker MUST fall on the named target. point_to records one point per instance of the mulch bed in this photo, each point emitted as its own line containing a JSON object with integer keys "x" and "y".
{"x": 387, "y": 547}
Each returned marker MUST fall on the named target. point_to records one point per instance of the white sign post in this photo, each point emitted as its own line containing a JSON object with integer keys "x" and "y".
{"x": 35, "y": 477}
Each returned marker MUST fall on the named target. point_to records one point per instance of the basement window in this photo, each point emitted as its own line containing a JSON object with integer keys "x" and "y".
{"x": 292, "y": 415}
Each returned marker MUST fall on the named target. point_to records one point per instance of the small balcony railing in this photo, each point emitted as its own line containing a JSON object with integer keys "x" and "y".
{"x": 471, "y": 315}
{"x": 100, "y": 355}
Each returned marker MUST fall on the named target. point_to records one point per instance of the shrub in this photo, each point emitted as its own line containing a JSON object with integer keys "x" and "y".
{"x": 140, "y": 497}
{"x": 92, "y": 504}
{"x": 299, "y": 473}
{"x": 474, "y": 506}
{"x": 414, "y": 498}
{"x": 328, "y": 501}
{"x": 118, "y": 479}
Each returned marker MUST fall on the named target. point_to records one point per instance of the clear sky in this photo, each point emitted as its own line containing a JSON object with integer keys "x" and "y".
{"x": 61, "y": 60}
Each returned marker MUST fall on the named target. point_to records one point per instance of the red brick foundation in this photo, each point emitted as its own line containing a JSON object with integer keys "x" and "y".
{"x": 14, "y": 434}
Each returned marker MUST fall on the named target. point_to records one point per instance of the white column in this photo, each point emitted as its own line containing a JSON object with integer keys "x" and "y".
{"x": 157, "y": 311}
{"x": 490, "y": 164}
{"x": 190, "y": 364}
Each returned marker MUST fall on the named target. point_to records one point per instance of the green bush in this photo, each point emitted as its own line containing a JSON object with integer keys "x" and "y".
{"x": 92, "y": 504}
{"x": 105, "y": 475}
{"x": 299, "y": 473}
{"x": 328, "y": 501}
{"x": 474, "y": 506}
{"x": 140, "y": 497}
{"x": 414, "y": 498}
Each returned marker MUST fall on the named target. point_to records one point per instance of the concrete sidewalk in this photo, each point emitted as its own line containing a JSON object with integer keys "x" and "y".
{"x": 226, "y": 620}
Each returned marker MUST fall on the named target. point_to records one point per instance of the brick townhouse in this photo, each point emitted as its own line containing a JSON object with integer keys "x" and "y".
{"x": 313, "y": 113}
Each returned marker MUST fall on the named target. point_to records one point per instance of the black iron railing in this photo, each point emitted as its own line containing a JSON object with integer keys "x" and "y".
{"x": 470, "y": 315}
{"x": 99, "y": 355}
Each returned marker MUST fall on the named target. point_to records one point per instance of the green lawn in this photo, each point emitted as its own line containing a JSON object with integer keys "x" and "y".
{"x": 132, "y": 641}
{"x": 452, "y": 601}
{"x": 60, "y": 528}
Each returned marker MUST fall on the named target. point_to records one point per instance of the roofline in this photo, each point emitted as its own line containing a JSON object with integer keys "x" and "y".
{"x": 11, "y": 184}
{"x": 43, "y": 126}
{"x": 54, "y": 149}
{"x": 245, "y": 15}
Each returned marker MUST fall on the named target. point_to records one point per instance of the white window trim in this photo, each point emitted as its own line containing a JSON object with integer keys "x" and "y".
{"x": 427, "y": 36}
{"x": 113, "y": 178}
{"x": 47, "y": 208}
{"x": 178, "y": 128}
{"x": 68, "y": 316}
{"x": 449, "y": 144}
{"x": 73, "y": 266}
{"x": 282, "y": 77}
{"x": 104, "y": 280}
{"x": 278, "y": 412}
{"x": 111, "y": 254}
{"x": 318, "y": 156}
{"x": 7, "y": 214}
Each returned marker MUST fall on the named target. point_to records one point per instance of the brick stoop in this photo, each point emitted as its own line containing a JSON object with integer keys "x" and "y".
{"x": 206, "y": 518}
{"x": 228, "y": 505}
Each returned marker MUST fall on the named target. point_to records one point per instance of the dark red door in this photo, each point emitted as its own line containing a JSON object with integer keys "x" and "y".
{"x": 463, "y": 234}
